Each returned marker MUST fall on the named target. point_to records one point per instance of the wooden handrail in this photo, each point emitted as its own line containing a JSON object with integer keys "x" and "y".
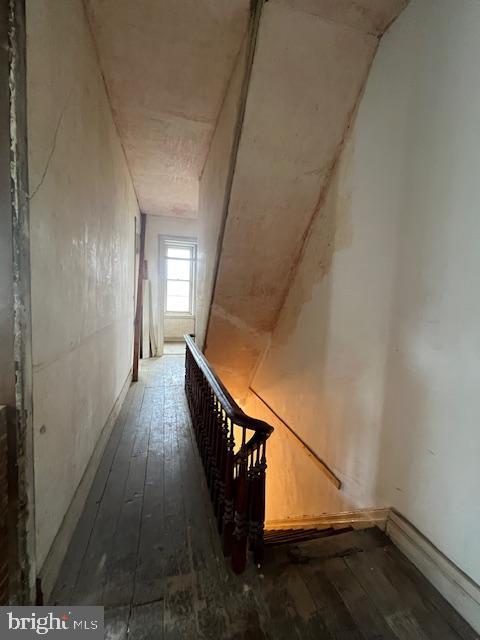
{"x": 233, "y": 411}
{"x": 235, "y": 471}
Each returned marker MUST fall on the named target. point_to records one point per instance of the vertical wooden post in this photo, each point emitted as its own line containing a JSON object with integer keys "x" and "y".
{"x": 145, "y": 315}
{"x": 228, "y": 504}
{"x": 139, "y": 309}
{"x": 257, "y": 503}
{"x": 222, "y": 474}
{"x": 239, "y": 539}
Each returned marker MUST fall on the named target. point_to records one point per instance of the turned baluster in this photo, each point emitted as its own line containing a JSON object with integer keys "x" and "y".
{"x": 257, "y": 504}
{"x": 204, "y": 390}
{"x": 222, "y": 466}
{"x": 196, "y": 402}
{"x": 197, "y": 405}
{"x": 187, "y": 373}
{"x": 216, "y": 432}
{"x": 239, "y": 544}
{"x": 188, "y": 383}
{"x": 228, "y": 505}
{"x": 209, "y": 430}
{"x": 253, "y": 477}
{"x": 216, "y": 458}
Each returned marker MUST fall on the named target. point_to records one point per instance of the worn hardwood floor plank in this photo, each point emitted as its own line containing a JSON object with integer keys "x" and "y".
{"x": 146, "y": 622}
{"x": 149, "y": 577}
{"x": 122, "y": 559}
{"x": 116, "y": 623}
{"x": 181, "y": 595}
{"x": 430, "y": 594}
{"x": 147, "y": 547}
{"x": 71, "y": 567}
{"x": 402, "y": 606}
{"x": 367, "y": 617}
{"x": 90, "y": 583}
{"x": 329, "y": 605}
{"x": 204, "y": 551}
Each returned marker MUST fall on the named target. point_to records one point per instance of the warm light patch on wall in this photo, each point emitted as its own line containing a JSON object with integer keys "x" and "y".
{"x": 296, "y": 487}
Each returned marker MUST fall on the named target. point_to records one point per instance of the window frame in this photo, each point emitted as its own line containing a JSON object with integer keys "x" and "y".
{"x": 192, "y": 248}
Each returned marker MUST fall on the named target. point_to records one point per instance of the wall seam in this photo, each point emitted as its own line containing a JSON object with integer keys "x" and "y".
{"x": 109, "y": 100}
{"x": 224, "y": 99}
{"x": 252, "y": 45}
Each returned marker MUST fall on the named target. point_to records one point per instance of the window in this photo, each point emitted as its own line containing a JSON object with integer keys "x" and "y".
{"x": 180, "y": 269}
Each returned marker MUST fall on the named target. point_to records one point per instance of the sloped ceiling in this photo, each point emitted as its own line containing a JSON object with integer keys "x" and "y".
{"x": 167, "y": 64}
{"x": 311, "y": 63}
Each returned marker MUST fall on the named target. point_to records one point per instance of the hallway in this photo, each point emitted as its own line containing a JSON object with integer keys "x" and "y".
{"x": 146, "y": 548}
{"x": 133, "y": 549}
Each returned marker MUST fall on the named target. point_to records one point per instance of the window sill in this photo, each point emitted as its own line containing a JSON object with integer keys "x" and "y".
{"x": 179, "y": 315}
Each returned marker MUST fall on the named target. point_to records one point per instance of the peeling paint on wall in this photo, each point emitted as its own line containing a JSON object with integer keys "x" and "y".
{"x": 22, "y": 512}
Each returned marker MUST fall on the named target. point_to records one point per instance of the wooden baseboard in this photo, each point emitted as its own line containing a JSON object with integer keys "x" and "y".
{"x": 365, "y": 517}
{"x": 51, "y": 567}
{"x": 455, "y": 586}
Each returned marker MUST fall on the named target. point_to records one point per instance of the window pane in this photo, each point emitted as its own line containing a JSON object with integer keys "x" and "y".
{"x": 178, "y": 269}
{"x": 175, "y": 288}
{"x": 173, "y": 252}
{"x": 176, "y": 303}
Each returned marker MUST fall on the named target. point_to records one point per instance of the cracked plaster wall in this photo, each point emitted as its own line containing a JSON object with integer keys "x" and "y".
{"x": 82, "y": 209}
{"x": 375, "y": 360}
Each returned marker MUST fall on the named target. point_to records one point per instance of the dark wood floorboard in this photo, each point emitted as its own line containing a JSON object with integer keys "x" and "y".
{"x": 147, "y": 548}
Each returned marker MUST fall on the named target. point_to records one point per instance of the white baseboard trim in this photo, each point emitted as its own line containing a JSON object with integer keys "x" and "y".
{"x": 376, "y": 517}
{"x": 454, "y": 585}
{"x": 51, "y": 567}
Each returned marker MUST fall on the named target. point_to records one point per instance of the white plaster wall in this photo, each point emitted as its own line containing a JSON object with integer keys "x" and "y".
{"x": 167, "y": 226}
{"x": 375, "y": 360}
{"x": 175, "y": 328}
{"x": 307, "y": 76}
{"x": 212, "y": 193}
{"x": 288, "y": 492}
{"x": 82, "y": 211}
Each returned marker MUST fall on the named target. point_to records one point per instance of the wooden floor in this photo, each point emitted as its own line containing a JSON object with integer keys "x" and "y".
{"x": 146, "y": 548}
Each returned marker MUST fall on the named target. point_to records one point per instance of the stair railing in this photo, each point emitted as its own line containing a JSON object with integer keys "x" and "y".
{"x": 232, "y": 447}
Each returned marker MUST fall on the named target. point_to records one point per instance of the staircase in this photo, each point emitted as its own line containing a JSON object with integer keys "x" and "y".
{"x": 275, "y": 537}
{"x": 232, "y": 447}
